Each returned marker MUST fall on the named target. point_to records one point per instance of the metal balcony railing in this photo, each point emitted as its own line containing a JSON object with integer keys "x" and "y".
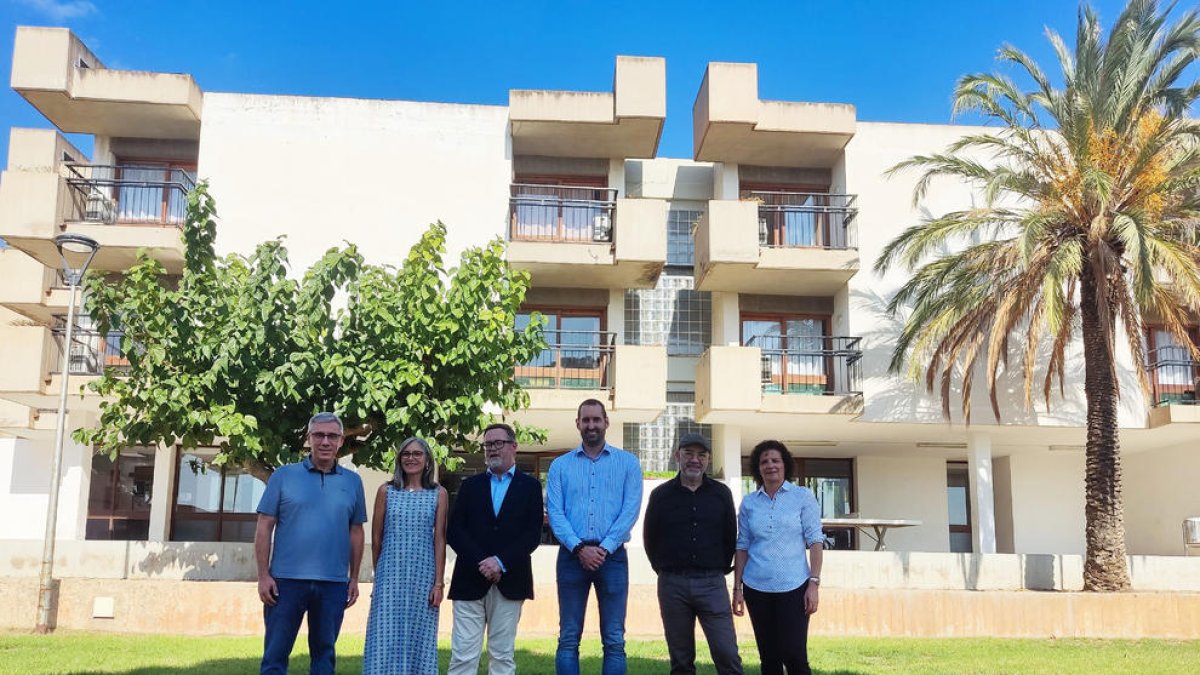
{"x": 817, "y": 365}
{"x": 572, "y": 360}
{"x": 561, "y": 213}
{"x": 1174, "y": 376}
{"x": 91, "y": 354}
{"x": 128, "y": 193}
{"x": 805, "y": 219}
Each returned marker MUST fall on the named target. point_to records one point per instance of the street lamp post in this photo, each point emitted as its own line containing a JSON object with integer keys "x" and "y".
{"x": 76, "y": 252}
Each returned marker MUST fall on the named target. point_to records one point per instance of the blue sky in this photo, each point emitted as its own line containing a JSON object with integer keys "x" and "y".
{"x": 895, "y": 61}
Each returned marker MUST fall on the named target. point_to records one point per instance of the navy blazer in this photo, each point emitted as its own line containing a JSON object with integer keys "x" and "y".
{"x": 475, "y": 533}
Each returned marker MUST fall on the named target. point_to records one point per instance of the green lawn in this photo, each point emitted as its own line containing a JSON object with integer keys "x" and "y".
{"x": 143, "y": 655}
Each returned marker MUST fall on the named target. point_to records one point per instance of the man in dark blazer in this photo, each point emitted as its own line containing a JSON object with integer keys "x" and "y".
{"x": 494, "y": 528}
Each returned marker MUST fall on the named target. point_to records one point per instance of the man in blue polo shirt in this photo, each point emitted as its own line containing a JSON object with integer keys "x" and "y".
{"x": 315, "y": 509}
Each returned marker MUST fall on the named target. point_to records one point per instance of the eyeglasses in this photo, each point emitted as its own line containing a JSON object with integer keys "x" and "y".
{"x": 319, "y": 436}
{"x": 495, "y": 445}
{"x": 412, "y": 454}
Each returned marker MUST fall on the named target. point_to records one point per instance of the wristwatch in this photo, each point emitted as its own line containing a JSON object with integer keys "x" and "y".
{"x": 815, "y": 580}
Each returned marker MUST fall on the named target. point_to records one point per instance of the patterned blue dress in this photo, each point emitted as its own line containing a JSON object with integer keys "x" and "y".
{"x": 402, "y": 627}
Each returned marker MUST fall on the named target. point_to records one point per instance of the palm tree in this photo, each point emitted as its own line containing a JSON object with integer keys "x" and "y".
{"x": 1089, "y": 220}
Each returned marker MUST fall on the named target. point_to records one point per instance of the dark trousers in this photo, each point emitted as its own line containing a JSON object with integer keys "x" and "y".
{"x": 780, "y": 630}
{"x": 682, "y": 599}
{"x": 612, "y": 595}
{"x": 325, "y": 604}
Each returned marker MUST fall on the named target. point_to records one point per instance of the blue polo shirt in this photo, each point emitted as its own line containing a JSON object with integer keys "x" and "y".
{"x": 313, "y": 513}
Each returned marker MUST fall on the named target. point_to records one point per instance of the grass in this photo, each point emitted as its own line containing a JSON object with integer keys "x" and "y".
{"x": 174, "y": 655}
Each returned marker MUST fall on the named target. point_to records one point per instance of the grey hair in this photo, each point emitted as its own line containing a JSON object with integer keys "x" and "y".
{"x": 326, "y": 417}
{"x": 427, "y": 481}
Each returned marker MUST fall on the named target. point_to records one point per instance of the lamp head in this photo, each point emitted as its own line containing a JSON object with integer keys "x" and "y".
{"x": 76, "y": 252}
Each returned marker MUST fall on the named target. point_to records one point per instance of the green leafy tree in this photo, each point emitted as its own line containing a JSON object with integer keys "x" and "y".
{"x": 235, "y": 355}
{"x": 1088, "y": 224}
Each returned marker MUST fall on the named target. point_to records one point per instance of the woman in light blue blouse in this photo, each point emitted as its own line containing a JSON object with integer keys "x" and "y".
{"x": 771, "y": 575}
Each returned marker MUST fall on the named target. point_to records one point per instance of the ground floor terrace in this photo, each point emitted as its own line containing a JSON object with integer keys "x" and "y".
{"x": 989, "y": 490}
{"x": 157, "y": 540}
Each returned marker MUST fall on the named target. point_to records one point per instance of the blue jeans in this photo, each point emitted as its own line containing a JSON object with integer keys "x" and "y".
{"x": 325, "y": 604}
{"x": 612, "y": 594}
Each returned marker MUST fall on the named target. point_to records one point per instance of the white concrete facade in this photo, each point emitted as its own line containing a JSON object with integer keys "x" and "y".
{"x": 322, "y": 171}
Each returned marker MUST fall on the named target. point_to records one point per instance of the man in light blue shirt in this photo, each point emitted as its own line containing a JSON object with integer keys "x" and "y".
{"x": 593, "y": 496}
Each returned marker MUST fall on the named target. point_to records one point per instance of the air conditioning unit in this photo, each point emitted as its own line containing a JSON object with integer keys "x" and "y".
{"x": 99, "y": 208}
{"x": 602, "y": 228}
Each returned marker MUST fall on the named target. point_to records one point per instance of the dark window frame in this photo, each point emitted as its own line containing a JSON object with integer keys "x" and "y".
{"x": 112, "y": 514}
{"x": 220, "y": 516}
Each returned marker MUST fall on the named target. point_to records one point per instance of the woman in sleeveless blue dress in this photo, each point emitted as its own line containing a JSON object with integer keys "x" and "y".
{"x": 409, "y": 549}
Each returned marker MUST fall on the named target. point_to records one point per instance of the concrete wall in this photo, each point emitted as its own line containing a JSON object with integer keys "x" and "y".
{"x": 1047, "y": 502}
{"x": 25, "y": 489}
{"x": 919, "y": 596}
{"x": 376, "y": 173}
{"x": 1160, "y": 491}
{"x": 905, "y": 488}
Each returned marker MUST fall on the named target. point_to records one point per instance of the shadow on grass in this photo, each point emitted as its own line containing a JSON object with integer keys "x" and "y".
{"x": 528, "y": 663}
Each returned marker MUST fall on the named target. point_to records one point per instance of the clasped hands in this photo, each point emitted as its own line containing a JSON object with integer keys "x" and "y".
{"x": 592, "y": 557}
{"x": 489, "y": 567}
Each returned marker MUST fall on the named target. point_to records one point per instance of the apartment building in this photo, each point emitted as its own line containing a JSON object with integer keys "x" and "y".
{"x": 730, "y": 292}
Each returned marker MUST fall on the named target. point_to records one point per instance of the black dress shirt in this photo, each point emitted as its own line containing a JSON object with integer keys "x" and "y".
{"x": 690, "y": 531}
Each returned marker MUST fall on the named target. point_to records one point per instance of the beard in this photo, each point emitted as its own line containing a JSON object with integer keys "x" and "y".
{"x": 494, "y": 462}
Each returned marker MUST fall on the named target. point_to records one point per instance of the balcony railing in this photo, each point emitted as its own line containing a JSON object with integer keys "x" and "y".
{"x": 561, "y": 213}
{"x": 574, "y": 360}
{"x": 90, "y": 353}
{"x": 817, "y": 365}
{"x": 135, "y": 194}
{"x": 1174, "y": 376}
{"x": 805, "y": 219}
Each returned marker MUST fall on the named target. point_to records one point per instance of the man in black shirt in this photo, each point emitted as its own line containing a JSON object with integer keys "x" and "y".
{"x": 690, "y": 534}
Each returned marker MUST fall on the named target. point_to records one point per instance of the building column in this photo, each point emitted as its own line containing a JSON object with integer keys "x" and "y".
{"x": 616, "y": 175}
{"x": 76, "y": 482}
{"x": 726, "y": 184}
{"x": 983, "y": 502}
{"x": 725, "y": 327}
{"x": 616, "y": 314}
{"x": 165, "y": 472}
{"x": 727, "y": 457}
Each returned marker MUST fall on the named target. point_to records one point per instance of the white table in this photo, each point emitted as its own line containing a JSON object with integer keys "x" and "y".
{"x": 879, "y": 527}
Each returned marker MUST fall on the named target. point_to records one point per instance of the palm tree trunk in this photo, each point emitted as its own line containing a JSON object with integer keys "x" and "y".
{"x": 1105, "y": 568}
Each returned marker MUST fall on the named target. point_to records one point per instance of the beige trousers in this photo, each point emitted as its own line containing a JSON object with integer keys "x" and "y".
{"x": 501, "y": 617}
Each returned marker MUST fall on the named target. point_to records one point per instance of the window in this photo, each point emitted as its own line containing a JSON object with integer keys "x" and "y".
{"x": 153, "y": 192}
{"x": 795, "y": 352}
{"x": 681, "y": 244}
{"x": 578, "y": 351}
{"x": 671, "y": 314}
{"x": 832, "y": 483}
{"x": 214, "y": 503}
{"x": 797, "y": 214}
{"x": 119, "y": 495}
{"x": 561, "y": 208}
{"x": 958, "y": 503}
{"x": 1174, "y": 373}
{"x": 654, "y": 442}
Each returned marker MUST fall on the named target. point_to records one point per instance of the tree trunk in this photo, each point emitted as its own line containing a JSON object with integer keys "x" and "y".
{"x": 1105, "y": 568}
